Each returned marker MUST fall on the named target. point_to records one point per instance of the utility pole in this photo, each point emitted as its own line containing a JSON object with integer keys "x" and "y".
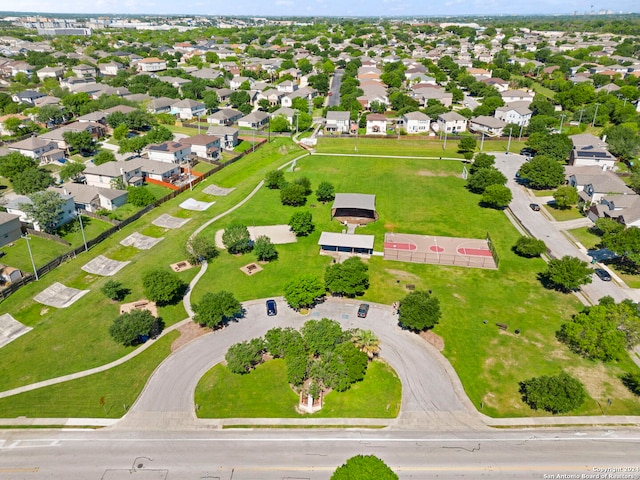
{"x": 444, "y": 145}
{"x": 594, "y": 115}
{"x": 509, "y": 142}
{"x": 84, "y": 239}
{"x": 355, "y": 149}
{"x": 33, "y": 263}
{"x": 482, "y": 142}
{"x": 580, "y": 119}
{"x": 562, "y": 121}
{"x": 521, "y": 128}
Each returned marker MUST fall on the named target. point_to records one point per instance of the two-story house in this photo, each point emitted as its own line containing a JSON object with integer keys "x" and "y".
{"x": 16, "y": 206}
{"x": 169, "y": 152}
{"x": 338, "y": 122}
{"x": 203, "y": 146}
{"x": 187, "y": 109}
{"x": 228, "y": 136}
{"x": 225, "y": 116}
{"x": 491, "y": 126}
{"x": 589, "y": 150}
{"x": 376, "y": 124}
{"x": 114, "y": 174}
{"x": 416, "y": 122}
{"x": 517, "y": 113}
{"x": 45, "y": 151}
{"x": 451, "y": 122}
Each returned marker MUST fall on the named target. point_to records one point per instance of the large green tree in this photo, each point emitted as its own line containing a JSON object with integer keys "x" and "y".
{"x": 556, "y": 394}
{"x": 236, "y": 238}
{"x": 478, "y": 181}
{"x": 567, "y": 273}
{"x": 364, "y": 467}
{"x": 301, "y": 223}
{"x": 349, "y": 278}
{"x": 31, "y": 181}
{"x": 321, "y": 335}
{"x": 162, "y": 286}
{"x": 623, "y": 141}
{"x": 303, "y": 291}
{"x": 14, "y": 163}
{"x": 565, "y": 196}
{"x": 45, "y": 209}
{"x": 542, "y": 172}
{"x": 497, "y": 196}
{"x": 132, "y": 328}
{"x": 72, "y": 171}
{"x": 419, "y": 310}
{"x": 216, "y": 308}
{"x": 244, "y": 356}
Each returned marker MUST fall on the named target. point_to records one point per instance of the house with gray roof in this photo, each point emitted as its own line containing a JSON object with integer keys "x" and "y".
{"x": 16, "y": 206}
{"x": 228, "y": 136}
{"x": 490, "y": 126}
{"x": 589, "y": 150}
{"x": 225, "y": 116}
{"x": 338, "y": 121}
{"x": 92, "y": 199}
{"x": 43, "y": 150}
{"x": 593, "y": 183}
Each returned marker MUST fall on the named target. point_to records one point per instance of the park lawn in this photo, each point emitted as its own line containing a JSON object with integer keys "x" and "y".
{"x": 42, "y": 249}
{"x": 119, "y": 387}
{"x": 265, "y": 393}
{"x": 72, "y": 232}
{"x": 543, "y": 193}
{"x": 158, "y": 190}
{"x": 587, "y": 239}
{"x": 563, "y": 214}
{"x": 68, "y": 340}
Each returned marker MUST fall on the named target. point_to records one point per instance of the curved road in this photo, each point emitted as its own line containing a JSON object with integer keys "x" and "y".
{"x": 432, "y": 394}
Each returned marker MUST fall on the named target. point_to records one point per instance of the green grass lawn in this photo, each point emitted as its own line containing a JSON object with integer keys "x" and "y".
{"x": 43, "y": 251}
{"x": 119, "y": 387}
{"x": 585, "y": 237}
{"x": 158, "y": 190}
{"x": 543, "y": 193}
{"x": 72, "y": 232}
{"x": 562, "y": 214}
{"x": 265, "y": 393}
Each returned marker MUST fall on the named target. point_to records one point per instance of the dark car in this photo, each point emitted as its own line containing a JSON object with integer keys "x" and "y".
{"x": 272, "y": 309}
{"x": 535, "y": 207}
{"x": 363, "y": 310}
{"x": 527, "y": 152}
{"x": 603, "y": 274}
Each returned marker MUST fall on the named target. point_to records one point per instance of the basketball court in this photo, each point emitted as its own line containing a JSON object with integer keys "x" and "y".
{"x": 462, "y": 252}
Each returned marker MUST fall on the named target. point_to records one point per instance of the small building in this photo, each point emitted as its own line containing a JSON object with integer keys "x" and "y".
{"x": 10, "y": 228}
{"x": 331, "y": 242}
{"x": 44, "y": 151}
{"x": 356, "y": 208}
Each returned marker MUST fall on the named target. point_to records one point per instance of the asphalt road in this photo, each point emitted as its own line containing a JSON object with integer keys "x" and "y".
{"x": 313, "y": 455}
{"x": 431, "y": 391}
{"x": 336, "y": 81}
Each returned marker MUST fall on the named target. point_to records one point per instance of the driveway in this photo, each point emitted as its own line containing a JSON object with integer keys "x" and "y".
{"x": 336, "y": 82}
{"x": 431, "y": 391}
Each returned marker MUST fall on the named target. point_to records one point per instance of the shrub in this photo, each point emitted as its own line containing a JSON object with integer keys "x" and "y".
{"x": 236, "y": 238}
{"x": 114, "y": 290}
{"x": 529, "y": 247}
{"x": 293, "y": 194}
{"x": 301, "y": 223}
{"x": 244, "y": 356}
{"x": 364, "y": 467}
{"x": 274, "y": 179}
{"x": 632, "y": 382}
{"x": 201, "y": 248}
{"x": 325, "y": 192}
{"x": 162, "y": 286}
{"x": 215, "y": 308}
{"x": 419, "y": 311}
{"x": 556, "y": 394}
{"x": 305, "y": 183}
{"x": 140, "y": 196}
{"x": 265, "y": 250}
{"x": 132, "y": 328}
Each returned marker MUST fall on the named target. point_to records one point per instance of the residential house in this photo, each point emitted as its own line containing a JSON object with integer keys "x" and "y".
{"x": 110, "y": 69}
{"x": 151, "y": 64}
{"x": 624, "y": 209}
{"x": 97, "y": 130}
{"x": 10, "y": 228}
{"x": 416, "y": 122}
{"x": 236, "y": 82}
{"x": 27, "y": 97}
{"x": 170, "y": 152}
{"x": 203, "y": 146}
{"x": 510, "y": 96}
{"x": 187, "y": 109}
{"x": 92, "y": 199}
{"x": 305, "y": 92}
{"x": 589, "y": 150}
{"x": 517, "y": 113}
{"x": 254, "y": 120}
{"x": 223, "y": 94}
{"x": 593, "y": 183}
{"x": 161, "y": 171}
{"x": 228, "y": 136}
{"x": 82, "y": 70}
{"x": 16, "y": 207}
{"x": 376, "y": 124}
{"x": 479, "y": 73}
{"x": 338, "y": 122}
{"x": 423, "y": 92}
{"x": 73, "y": 84}
{"x": 497, "y": 83}
{"x": 490, "y": 126}
{"x": 45, "y": 151}
{"x": 272, "y": 95}
{"x": 50, "y": 72}
{"x": 288, "y": 86}
{"x": 451, "y": 122}
{"x": 113, "y": 174}
{"x": 160, "y": 105}
{"x": 225, "y": 116}
{"x": 288, "y": 113}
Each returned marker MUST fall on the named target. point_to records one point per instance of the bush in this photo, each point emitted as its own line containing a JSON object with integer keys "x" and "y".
{"x": 556, "y": 394}
{"x": 305, "y": 183}
{"x": 244, "y": 356}
{"x": 274, "y": 179}
{"x": 216, "y": 308}
{"x": 114, "y": 290}
{"x": 478, "y": 181}
{"x": 364, "y": 467}
{"x": 325, "y": 192}
{"x": 303, "y": 291}
{"x": 497, "y": 196}
{"x": 201, "y": 249}
{"x": 349, "y": 278}
{"x": 265, "y": 250}
{"x": 293, "y": 194}
{"x": 567, "y": 273}
{"x": 419, "y": 311}
{"x": 140, "y": 196}
{"x": 236, "y": 238}
{"x": 301, "y": 223}
{"x": 134, "y": 327}
{"x": 482, "y": 160}
{"x": 632, "y": 382}
{"x": 529, "y": 247}
{"x": 162, "y": 286}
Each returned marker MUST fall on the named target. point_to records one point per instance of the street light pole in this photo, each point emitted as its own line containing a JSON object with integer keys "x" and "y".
{"x": 594, "y": 115}
{"x": 482, "y": 142}
{"x": 444, "y": 145}
{"x": 509, "y": 142}
{"x": 521, "y": 128}
{"x": 84, "y": 239}
{"x": 33, "y": 263}
{"x": 562, "y": 121}
{"x": 355, "y": 149}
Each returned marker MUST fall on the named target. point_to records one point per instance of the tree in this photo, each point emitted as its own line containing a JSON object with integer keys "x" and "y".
{"x": 31, "y": 181}
{"x": 623, "y": 141}
{"x": 478, "y": 181}
{"x": 140, "y": 196}
{"x": 419, "y": 310}
{"x": 15, "y": 163}
{"x": 556, "y": 394}
{"x": 244, "y": 356}
{"x": 632, "y": 382}
{"x": 279, "y": 123}
{"x": 81, "y": 141}
{"x": 44, "y": 210}
{"x": 293, "y": 194}
{"x": 236, "y": 238}
{"x": 72, "y": 171}
{"x": 274, "y": 179}
{"x": 114, "y": 290}
{"x": 565, "y": 196}
{"x": 497, "y": 196}
{"x": 284, "y": 342}
{"x": 364, "y": 467}
{"x": 567, "y": 273}
{"x": 529, "y": 247}
{"x": 201, "y": 249}
{"x": 542, "y": 172}
{"x": 162, "y": 286}
{"x": 321, "y": 335}
{"x": 625, "y": 243}
{"x": 303, "y": 291}
{"x": 556, "y": 146}
{"x": 120, "y": 131}
{"x": 467, "y": 144}
{"x": 340, "y": 368}
{"x": 301, "y": 223}
{"x": 134, "y": 327}
{"x": 103, "y": 156}
{"x": 325, "y": 192}
{"x": 216, "y": 308}
{"x": 482, "y": 160}
{"x": 265, "y": 250}
{"x": 595, "y": 333}
{"x": 349, "y": 278}
{"x": 239, "y": 97}
{"x": 305, "y": 183}
{"x": 366, "y": 341}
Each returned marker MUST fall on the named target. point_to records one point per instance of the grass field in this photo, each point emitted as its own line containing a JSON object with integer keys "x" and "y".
{"x": 72, "y": 231}
{"x": 585, "y": 237}
{"x": 265, "y": 393}
{"x": 562, "y": 214}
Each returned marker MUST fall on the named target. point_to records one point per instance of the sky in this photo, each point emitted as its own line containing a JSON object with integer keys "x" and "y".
{"x": 261, "y": 8}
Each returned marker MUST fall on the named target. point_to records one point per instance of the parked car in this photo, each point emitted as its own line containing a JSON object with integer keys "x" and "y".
{"x": 603, "y": 274}
{"x": 535, "y": 207}
{"x": 363, "y": 310}
{"x": 272, "y": 308}
{"x": 528, "y": 153}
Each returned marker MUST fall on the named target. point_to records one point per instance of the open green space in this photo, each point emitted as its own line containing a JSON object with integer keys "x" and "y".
{"x": 585, "y": 237}
{"x": 562, "y": 214}
{"x": 265, "y": 393}
{"x": 42, "y": 249}
{"x": 107, "y": 394}
{"x": 158, "y": 190}
{"x": 72, "y": 231}
{"x": 543, "y": 193}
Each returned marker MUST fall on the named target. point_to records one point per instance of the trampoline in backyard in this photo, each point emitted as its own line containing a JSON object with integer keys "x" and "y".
{"x": 462, "y": 252}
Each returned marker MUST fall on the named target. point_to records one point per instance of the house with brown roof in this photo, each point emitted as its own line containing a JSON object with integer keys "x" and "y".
{"x": 376, "y": 124}
{"x": 203, "y": 146}
{"x": 169, "y": 152}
